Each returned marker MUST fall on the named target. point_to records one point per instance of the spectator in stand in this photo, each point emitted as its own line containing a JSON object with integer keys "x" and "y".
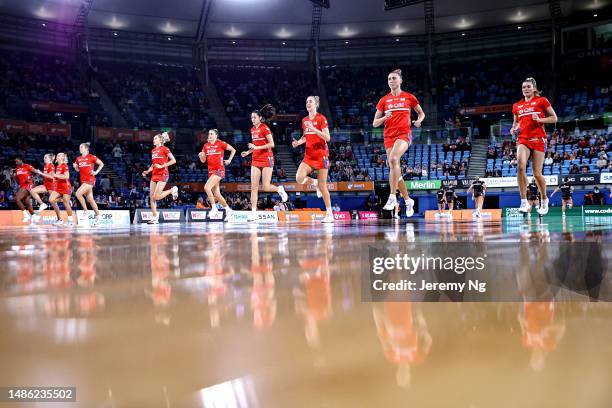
{"x": 602, "y": 162}
{"x": 574, "y": 169}
{"x": 584, "y": 169}
{"x": 548, "y": 160}
{"x": 117, "y": 152}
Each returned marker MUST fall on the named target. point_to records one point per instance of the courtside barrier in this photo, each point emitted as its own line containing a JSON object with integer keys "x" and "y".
{"x": 144, "y": 215}
{"x": 463, "y": 215}
{"x": 342, "y": 216}
{"x": 368, "y": 215}
{"x": 108, "y": 218}
{"x": 263, "y": 217}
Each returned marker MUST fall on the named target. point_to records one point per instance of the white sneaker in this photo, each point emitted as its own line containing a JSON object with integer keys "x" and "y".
{"x": 476, "y": 214}
{"x": 391, "y": 202}
{"x": 396, "y": 217}
{"x": 154, "y": 220}
{"x": 329, "y": 218}
{"x": 524, "y": 206}
{"x": 35, "y": 219}
{"x": 316, "y": 184}
{"x": 543, "y": 210}
{"x": 228, "y": 214}
{"x": 283, "y": 194}
{"x": 175, "y": 193}
{"x": 59, "y": 223}
{"x": 42, "y": 207}
{"x": 409, "y": 207}
{"x": 252, "y": 217}
{"x": 26, "y": 216}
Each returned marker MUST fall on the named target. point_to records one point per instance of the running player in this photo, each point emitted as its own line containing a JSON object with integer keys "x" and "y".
{"x": 393, "y": 110}
{"x": 566, "y": 195}
{"x": 533, "y": 195}
{"x": 478, "y": 189}
{"x": 48, "y": 182}
{"x": 214, "y": 151}
{"x": 262, "y": 164}
{"x": 161, "y": 159}
{"x": 62, "y": 191}
{"x": 84, "y": 164}
{"x": 441, "y": 196}
{"x": 530, "y": 115}
{"x": 316, "y": 155}
{"x": 450, "y": 196}
{"x": 23, "y": 173}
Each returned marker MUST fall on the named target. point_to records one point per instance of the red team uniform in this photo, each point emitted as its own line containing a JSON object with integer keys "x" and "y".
{"x": 49, "y": 183}
{"x": 261, "y": 158}
{"x": 531, "y": 133}
{"x": 214, "y": 156}
{"x": 398, "y": 125}
{"x": 317, "y": 153}
{"x": 62, "y": 186}
{"x": 159, "y": 155}
{"x": 24, "y": 176}
{"x": 86, "y": 165}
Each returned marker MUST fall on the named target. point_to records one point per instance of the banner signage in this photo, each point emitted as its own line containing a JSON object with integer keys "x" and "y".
{"x": 368, "y": 215}
{"x": 412, "y": 185}
{"x": 143, "y": 216}
{"x": 342, "y": 186}
{"x": 479, "y": 110}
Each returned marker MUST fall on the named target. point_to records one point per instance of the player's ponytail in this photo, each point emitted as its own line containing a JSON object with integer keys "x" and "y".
{"x": 532, "y": 81}
{"x": 398, "y": 72}
{"x": 266, "y": 113}
{"x": 50, "y": 157}
{"x": 164, "y": 137}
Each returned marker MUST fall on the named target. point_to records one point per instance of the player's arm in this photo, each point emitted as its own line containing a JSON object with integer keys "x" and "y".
{"x": 171, "y": 161}
{"x": 232, "y": 151}
{"x": 554, "y": 191}
{"x": 470, "y": 189}
{"x": 551, "y": 116}
{"x": 380, "y": 118}
{"x": 74, "y": 165}
{"x": 147, "y": 171}
{"x": 515, "y": 125}
{"x": 323, "y": 134}
{"x": 298, "y": 142}
{"x": 269, "y": 145}
{"x": 202, "y": 156}
{"x": 100, "y": 164}
{"x": 421, "y": 118}
{"x": 64, "y": 176}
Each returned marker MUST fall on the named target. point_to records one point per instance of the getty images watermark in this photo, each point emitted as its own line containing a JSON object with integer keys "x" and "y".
{"x": 412, "y": 264}
{"x": 476, "y": 272}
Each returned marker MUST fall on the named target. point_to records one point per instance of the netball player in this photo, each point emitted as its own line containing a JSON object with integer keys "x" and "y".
{"x": 530, "y": 115}
{"x": 84, "y": 164}
{"x": 213, "y": 151}
{"x": 393, "y": 110}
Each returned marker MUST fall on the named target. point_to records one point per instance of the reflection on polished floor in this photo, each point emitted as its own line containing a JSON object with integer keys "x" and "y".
{"x": 272, "y": 316}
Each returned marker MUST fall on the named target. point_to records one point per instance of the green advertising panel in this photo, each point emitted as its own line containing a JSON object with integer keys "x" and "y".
{"x": 423, "y": 184}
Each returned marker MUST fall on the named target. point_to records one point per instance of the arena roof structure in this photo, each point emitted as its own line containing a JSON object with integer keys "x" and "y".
{"x": 289, "y": 19}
